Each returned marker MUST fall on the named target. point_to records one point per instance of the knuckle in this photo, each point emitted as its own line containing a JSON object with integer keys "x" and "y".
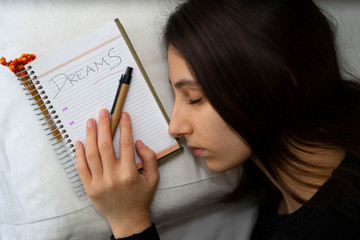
{"x": 128, "y": 179}
{"x": 110, "y": 184}
{"x": 91, "y": 155}
{"x": 105, "y": 146}
{"x": 80, "y": 166}
{"x": 94, "y": 193}
{"x": 126, "y": 142}
{"x": 152, "y": 155}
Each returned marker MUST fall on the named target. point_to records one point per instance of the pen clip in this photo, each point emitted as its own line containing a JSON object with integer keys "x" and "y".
{"x": 122, "y": 79}
{"x": 117, "y": 94}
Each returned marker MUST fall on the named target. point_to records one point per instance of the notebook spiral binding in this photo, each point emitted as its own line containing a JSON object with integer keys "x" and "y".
{"x": 56, "y": 132}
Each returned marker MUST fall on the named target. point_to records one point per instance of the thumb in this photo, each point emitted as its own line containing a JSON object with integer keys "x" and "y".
{"x": 148, "y": 158}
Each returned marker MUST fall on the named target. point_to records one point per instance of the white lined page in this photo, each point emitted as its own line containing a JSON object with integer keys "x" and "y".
{"x": 79, "y": 85}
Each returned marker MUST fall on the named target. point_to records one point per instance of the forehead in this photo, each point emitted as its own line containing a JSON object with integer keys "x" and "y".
{"x": 179, "y": 71}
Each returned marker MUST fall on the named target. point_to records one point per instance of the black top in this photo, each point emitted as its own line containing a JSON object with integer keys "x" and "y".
{"x": 148, "y": 234}
{"x": 337, "y": 215}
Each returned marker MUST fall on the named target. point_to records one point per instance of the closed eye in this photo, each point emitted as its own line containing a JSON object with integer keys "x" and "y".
{"x": 191, "y": 102}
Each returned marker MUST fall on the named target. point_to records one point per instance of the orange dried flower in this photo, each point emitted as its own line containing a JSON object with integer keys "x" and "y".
{"x": 17, "y": 65}
{"x": 21, "y": 67}
{"x": 12, "y": 68}
{"x": 3, "y": 61}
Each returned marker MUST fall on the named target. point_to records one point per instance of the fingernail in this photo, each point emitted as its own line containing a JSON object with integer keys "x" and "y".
{"x": 103, "y": 113}
{"x": 77, "y": 145}
{"x": 124, "y": 115}
{"x": 90, "y": 123}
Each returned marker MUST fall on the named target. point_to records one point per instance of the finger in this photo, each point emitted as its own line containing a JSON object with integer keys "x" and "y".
{"x": 127, "y": 152}
{"x": 148, "y": 158}
{"x": 92, "y": 153}
{"x": 81, "y": 163}
{"x": 105, "y": 143}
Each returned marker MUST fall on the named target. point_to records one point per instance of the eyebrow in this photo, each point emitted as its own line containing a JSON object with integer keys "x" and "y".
{"x": 184, "y": 82}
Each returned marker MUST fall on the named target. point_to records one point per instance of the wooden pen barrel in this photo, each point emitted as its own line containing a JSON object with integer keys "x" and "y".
{"x": 119, "y": 105}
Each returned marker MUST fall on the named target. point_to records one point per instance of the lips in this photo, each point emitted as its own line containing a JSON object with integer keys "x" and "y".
{"x": 198, "y": 151}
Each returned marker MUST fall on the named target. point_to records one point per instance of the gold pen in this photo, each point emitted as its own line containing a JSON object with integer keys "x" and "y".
{"x": 119, "y": 101}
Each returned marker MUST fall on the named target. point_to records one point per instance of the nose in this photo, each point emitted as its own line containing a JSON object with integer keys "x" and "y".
{"x": 180, "y": 124}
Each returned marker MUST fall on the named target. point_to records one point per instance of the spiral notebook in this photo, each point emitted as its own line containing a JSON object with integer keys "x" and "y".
{"x": 71, "y": 85}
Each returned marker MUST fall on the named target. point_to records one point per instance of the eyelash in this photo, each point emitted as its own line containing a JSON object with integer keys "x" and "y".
{"x": 191, "y": 102}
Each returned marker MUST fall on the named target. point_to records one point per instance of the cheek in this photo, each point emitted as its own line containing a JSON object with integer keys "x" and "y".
{"x": 231, "y": 150}
{"x": 230, "y": 156}
{"x": 239, "y": 152}
{"x": 228, "y": 150}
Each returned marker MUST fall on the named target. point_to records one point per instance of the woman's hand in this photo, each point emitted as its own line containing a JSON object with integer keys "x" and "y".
{"x": 119, "y": 192}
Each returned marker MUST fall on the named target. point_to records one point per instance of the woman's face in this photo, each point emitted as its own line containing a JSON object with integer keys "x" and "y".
{"x": 194, "y": 118}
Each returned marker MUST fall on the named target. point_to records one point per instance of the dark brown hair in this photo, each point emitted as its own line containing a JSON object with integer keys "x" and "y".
{"x": 270, "y": 69}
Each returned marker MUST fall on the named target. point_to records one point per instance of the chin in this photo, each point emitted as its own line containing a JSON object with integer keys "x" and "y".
{"x": 217, "y": 166}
